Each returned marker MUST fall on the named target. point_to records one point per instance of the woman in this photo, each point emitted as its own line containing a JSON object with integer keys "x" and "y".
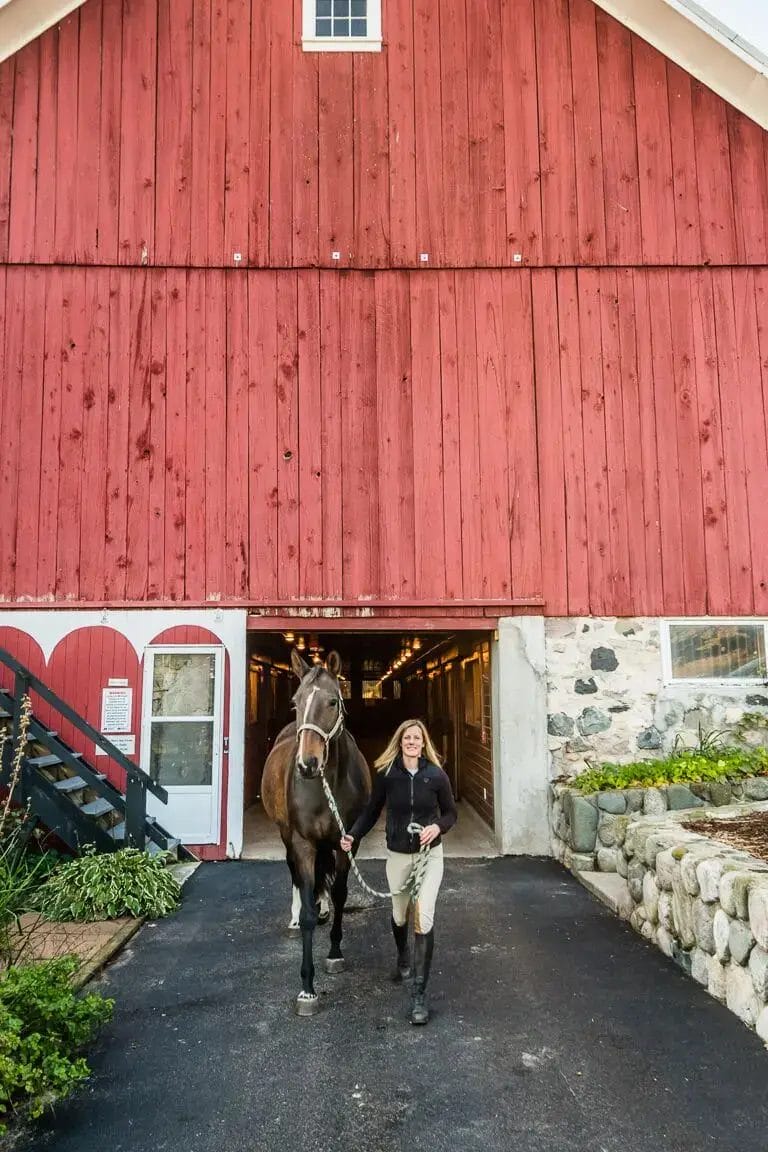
{"x": 416, "y": 790}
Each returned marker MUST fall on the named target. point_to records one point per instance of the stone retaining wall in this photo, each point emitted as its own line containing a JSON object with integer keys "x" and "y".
{"x": 588, "y": 832}
{"x": 703, "y": 904}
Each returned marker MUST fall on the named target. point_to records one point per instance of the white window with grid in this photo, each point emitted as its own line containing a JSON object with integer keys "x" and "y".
{"x": 715, "y": 652}
{"x": 341, "y": 26}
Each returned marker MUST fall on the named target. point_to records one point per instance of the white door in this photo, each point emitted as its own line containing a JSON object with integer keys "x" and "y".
{"x": 181, "y": 737}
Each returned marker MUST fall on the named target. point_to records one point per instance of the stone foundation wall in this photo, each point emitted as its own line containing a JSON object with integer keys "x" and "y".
{"x": 705, "y": 905}
{"x": 588, "y": 832}
{"x": 606, "y": 699}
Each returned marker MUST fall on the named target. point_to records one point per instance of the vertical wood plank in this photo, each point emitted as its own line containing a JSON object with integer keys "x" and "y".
{"x": 136, "y": 237}
{"x": 262, "y": 435}
{"x": 402, "y": 144}
{"x": 639, "y": 529}
{"x": 281, "y": 137}
{"x": 175, "y": 101}
{"x": 158, "y": 442}
{"x": 196, "y": 489}
{"x": 469, "y": 436}
{"x": 74, "y": 339}
{"x": 617, "y": 112}
{"x": 116, "y": 538}
{"x": 371, "y": 161}
{"x": 595, "y": 451}
{"x": 689, "y": 460}
{"x": 88, "y": 115}
{"x": 459, "y": 222}
{"x": 237, "y": 158}
{"x": 215, "y": 432}
{"x": 430, "y": 202}
{"x": 618, "y": 516}
{"x": 46, "y": 195}
{"x": 96, "y": 381}
{"x": 305, "y": 222}
{"x": 47, "y": 523}
{"x": 330, "y": 433}
{"x": 217, "y": 137}
{"x": 549, "y": 422}
{"x": 449, "y": 381}
{"x": 715, "y": 511}
{"x": 577, "y": 543}
{"x": 521, "y": 131}
{"x": 558, "y": 167}
{"x": 427, "y": 426}
{"x": 21, "y": 240}
{"x": 588, "y": 143}
{"x": 486, "y": 153}
{"x": 201, "y": 131}
{"x": 336, "y": 177}
{"x": 140, "y": 447}
{"x": 750, "y": 187}
{"x": 259, "y": 136}
{"x": 492, "y": 407}
{"x": 236, "y": 447}
{"x": 761, "y": 307}
{"x": 713, "y": 169}
{"x": 287, "y": 439}
{"x": 685, "y": 181}
{"x": 66, "y": 136}
{"x": 109, "y": 131}
{"x": 10, "y": 422}
{"x": 310, "y": 416}
{"x": 7, "y": 79}
{"x": 654, "y": 155}
{"x": 175, "y": 459}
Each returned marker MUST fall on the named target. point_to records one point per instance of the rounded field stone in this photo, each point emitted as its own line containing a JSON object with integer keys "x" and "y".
{"x": 559, "y": 724}
{"x": 603, "y": 660}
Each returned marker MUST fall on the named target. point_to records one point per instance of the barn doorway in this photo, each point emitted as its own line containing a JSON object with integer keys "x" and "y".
{"x": 442, "y": 677}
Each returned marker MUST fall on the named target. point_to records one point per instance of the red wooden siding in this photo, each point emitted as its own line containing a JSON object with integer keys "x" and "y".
{"x": 181, "y": 133}
{"x": 387, "y": 436}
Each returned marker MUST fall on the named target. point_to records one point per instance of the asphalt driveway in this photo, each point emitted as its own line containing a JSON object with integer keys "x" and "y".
{"x": 555, "y": 1029}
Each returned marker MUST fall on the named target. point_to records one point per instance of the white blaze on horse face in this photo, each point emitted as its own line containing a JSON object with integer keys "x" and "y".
{"x": 305, "y": 721}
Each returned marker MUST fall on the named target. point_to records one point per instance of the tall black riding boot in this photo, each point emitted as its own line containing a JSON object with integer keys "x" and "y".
{"x": 403, "y": 969}
{"x": 422, "y": 962}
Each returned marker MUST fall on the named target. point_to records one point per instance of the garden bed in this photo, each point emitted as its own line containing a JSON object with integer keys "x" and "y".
{"x": 748, "y": 832}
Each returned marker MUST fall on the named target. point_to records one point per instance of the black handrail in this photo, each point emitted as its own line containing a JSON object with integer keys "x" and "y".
{"x": 135, "y": 774}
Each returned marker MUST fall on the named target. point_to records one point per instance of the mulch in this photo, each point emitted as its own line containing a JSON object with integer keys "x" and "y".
{"x": 750, "y": 832}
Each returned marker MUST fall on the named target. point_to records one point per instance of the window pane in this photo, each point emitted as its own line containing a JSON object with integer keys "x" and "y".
{"x": 372, "y": 690}
{"x": 183, "y": 683}
{"x": 322, "y": 27}
{"x": 341, "y": 27}
{"x": 341, "y": 7}
{"x": 323, "y": 8}
{"x": 181, "y": 753}
{"x": 717, "y": 652}
{"x": 359, "y": 28}
{"x": 359, "y": 8}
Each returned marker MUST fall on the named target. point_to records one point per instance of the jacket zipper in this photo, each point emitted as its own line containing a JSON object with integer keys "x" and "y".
{"x": 411, "y": 834}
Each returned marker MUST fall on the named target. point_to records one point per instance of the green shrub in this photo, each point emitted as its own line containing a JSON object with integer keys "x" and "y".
{"x": 43, "y": 1025}
{"x": 124, "y": 883}
{"x": 687, "y": 766}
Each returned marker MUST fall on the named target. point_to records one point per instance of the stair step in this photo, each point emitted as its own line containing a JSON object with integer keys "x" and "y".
{"x": 117, "y": 831}
{"x": 52, "y": 760}
{"x": 70, "y": 784}
{"x": 97, "y": 807}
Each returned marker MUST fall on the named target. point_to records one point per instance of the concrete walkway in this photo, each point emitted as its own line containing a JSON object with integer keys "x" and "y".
{"x": 555, "y": 1029}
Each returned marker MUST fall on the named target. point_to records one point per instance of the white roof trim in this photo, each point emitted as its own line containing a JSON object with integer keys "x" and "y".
{"x": 692, "y": 38}
{"x": 25, "y": 20}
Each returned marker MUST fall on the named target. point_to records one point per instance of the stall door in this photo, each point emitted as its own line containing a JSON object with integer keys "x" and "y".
{"x": 181, "y": 738}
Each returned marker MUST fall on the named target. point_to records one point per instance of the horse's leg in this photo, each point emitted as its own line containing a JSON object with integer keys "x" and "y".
{"x": 335, "y": 961}
{"x": 293, "y": 925}
{"x": 307, "y": 1002}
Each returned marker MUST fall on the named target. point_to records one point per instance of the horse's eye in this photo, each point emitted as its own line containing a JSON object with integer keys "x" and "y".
{"x": 334, "y": 703}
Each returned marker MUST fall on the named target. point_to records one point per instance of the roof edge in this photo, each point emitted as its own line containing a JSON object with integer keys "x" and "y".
{"x": 701, "y": 48}
{"x": 22, "y": 21}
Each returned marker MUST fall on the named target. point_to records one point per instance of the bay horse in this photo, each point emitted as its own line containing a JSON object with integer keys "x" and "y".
{"x": 293, "y": 797}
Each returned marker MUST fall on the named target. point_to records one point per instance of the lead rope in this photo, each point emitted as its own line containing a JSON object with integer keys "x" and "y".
{"x": 415, "y": 877}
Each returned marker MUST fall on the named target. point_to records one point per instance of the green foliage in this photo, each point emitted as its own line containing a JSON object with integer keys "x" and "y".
{"x": 683, "y": 766}
{"x": 22, "y": 873}
{"x": 124, "y": 883}
{"x": 43, "y": 1025}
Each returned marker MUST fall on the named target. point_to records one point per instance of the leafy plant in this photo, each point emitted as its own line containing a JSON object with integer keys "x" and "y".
{"x": 685, "y": 766}
{"x": 43, "y": 1025}
{"x": 124, "y": 883}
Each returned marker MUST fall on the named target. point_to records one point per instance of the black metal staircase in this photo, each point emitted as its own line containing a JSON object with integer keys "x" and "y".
{"x": 66, "y": 793}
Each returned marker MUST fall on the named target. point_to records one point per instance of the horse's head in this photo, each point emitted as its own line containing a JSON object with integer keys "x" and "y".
{"x": 319, "y": 711}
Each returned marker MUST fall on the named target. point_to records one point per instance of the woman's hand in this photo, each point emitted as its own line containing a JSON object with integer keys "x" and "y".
{"x": 428, "y": 834}
{"x": 346, "y": 843}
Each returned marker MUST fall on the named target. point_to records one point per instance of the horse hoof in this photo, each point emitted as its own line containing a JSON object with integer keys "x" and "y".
{"x": 307, "y": 1004}
{"x": 335, "y": 964}
{"x": 294, "y": 930}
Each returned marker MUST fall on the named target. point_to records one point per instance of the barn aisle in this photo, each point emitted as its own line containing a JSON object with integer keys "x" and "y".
{"x": 555, "y": 1029}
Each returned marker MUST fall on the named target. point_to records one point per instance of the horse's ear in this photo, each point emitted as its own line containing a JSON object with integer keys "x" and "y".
{"x": 299, "y": 666}
{"x": 333, "y": 663}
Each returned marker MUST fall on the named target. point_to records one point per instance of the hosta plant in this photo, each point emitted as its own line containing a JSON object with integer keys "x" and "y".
{"x": 124, "y": 883}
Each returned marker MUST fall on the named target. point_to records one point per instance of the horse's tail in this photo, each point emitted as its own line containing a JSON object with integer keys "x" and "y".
{"x": 325, "y": 868}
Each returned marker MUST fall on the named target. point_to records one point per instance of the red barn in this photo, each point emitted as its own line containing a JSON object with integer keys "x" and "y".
{"x": 435, "y": 331}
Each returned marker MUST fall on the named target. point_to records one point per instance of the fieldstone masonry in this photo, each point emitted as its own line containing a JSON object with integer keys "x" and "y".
{"x": 606, "y": 699}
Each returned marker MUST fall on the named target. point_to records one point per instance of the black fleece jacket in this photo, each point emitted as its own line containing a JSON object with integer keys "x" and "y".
{"x": 424, "y": 798}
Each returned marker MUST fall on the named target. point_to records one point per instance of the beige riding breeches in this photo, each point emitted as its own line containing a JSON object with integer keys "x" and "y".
{"x": 398, "y": 866}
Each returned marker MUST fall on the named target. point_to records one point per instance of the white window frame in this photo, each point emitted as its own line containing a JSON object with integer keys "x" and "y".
{"x": 730, "y": 683}
{"x": 312, "y": 43}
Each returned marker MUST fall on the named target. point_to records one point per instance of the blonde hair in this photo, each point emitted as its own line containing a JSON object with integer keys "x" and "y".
{"x": 393, "y": 748}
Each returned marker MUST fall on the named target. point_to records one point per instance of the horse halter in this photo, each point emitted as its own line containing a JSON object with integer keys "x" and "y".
{"x": 305, "y": 726}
